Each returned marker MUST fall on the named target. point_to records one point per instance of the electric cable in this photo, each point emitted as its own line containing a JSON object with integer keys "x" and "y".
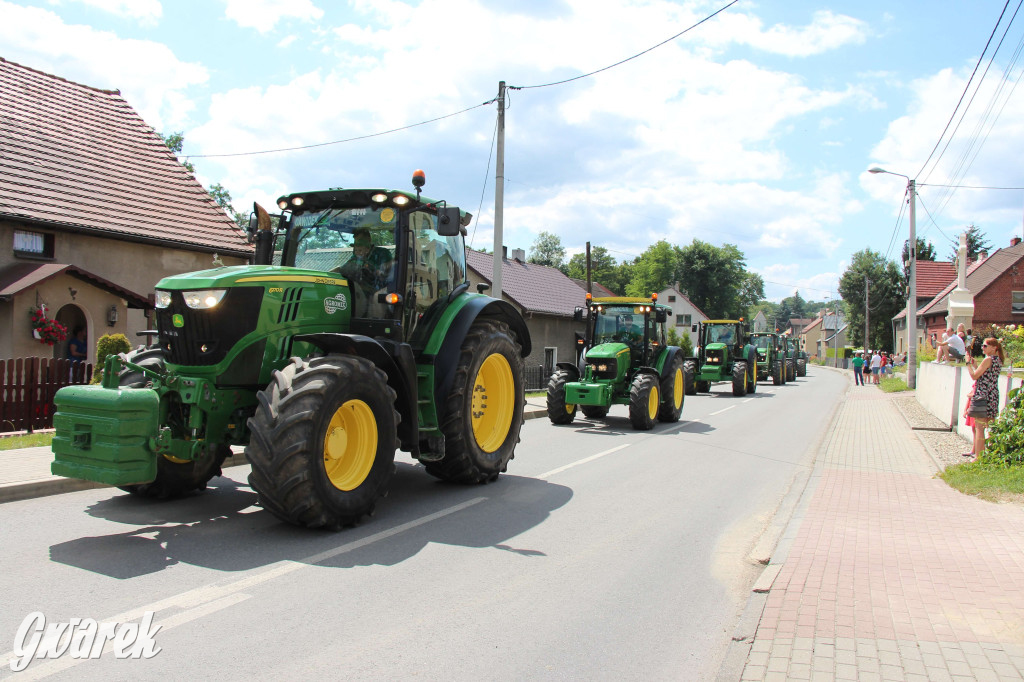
{"x": 483, "y": 189}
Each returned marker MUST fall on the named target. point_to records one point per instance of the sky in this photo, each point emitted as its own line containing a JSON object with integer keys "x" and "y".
{"x": 754, "y": 128}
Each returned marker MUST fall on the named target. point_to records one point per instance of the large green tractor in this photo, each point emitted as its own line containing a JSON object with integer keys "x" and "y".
{"x": 723, "y": 353}
{"x": 352, "y": 335}
{"x": 796, "y": 359}
{"x": 624, "y": 360}
{"x": 771, "y": 356}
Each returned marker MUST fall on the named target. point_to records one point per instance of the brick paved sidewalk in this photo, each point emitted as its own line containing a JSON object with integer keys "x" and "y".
{"x": 889, "y": 574}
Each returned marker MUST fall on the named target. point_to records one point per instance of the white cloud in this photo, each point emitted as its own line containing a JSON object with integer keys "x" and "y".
{"x": 827, "y": 31}
{"x": 264, "y": 15}
{"x": 146, "y": 12}
{"x": 153, "y": 80}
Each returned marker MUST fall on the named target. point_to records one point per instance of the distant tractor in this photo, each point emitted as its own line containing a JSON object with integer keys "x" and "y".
{"x": 353, "y": 334}
{"x": 771, "y": 356}
{"x": 624, "y": 360}
{"x": 723, "y": 353}
{"x": 796, "y": 359}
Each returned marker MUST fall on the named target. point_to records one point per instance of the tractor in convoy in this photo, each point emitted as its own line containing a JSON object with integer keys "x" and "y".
{"x": 771, "y": 356}
{"x": 723, "y": 353}
{"x": 352, "y": 334}
{"x": 796, "y": 359}
{"x": 623, "y": 360}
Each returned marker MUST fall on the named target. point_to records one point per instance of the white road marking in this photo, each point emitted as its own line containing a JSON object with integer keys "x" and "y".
{"x": 580, "y": 461}
{"x": 721, "y": 411}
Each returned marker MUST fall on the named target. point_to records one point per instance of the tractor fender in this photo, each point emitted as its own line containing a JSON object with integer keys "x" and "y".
{"x": 666, "y": 359}
{"x": 572, "y": 369}
{"x": 454, "y": 334}
{"x": 397, "y": 361}
{"x": 653, "y": 371}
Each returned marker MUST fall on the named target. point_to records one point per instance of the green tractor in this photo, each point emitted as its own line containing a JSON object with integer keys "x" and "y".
{"x": 352, "y": 335}
{"x": 796, "y": 359}
{"x": 723, "y": 353}
{"x": 801, "y": 359}
{"x": 624, "y": 360}
{"x": 771, "y": 356}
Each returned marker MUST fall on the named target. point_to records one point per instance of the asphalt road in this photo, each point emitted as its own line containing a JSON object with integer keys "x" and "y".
{"x": 604, "y": 553}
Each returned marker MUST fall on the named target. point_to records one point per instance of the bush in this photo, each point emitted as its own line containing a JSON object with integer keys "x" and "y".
{"x": 107, "y": 345}
{"x": 1005, "y": 443}
{"x": 683, "y": 341}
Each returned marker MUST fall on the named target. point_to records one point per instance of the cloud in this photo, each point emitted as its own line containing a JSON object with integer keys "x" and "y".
{"x": 146, "y": 12}
{"x": 148, "y": 74}
{"x": 827, "y": 31}
{"x": 265, "y": 15}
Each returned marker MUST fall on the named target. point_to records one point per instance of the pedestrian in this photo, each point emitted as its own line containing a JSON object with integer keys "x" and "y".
{"x": 876, "y": 367}
{"x": 858, "y": 368}
{"x": 885, "y": 364}
{"x": 986, "y": 392}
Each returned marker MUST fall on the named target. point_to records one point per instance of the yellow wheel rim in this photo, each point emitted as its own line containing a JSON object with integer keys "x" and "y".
{"x": 652, "y": 402}
{"x": 350, "y": 445}
{"x": 494, "y": 397}
{"x": 570, "y": 407}
{"x": 677, "y": 389}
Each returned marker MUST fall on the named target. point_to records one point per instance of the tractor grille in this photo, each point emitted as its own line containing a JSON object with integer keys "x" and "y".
{"x": 204, "y": 337}
{"x": 714, "y": 358}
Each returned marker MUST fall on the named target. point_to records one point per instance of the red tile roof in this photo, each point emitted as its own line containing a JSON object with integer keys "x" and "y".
{"x": 536, "y": 288}
{"x": 78, "y": 157}
{"x": 933, "y": 276}
{"x": 20, "y": 276}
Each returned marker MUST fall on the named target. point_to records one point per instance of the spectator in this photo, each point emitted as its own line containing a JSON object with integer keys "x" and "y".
{"x": 943, "y": 347}
{"x": 858, "y": 368}
{"x": 986, "y": 377}
{"x": 955, "y": 349}
{"x": 77, "y": 348}
{"x": 876, "y": 367}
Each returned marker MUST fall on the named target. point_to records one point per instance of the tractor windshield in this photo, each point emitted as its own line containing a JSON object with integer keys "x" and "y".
{"x": 721, "y": 333}
{"x": 762, "y": 342}
{"x": 619, "y": 325}
{"x": 349, "y": 241}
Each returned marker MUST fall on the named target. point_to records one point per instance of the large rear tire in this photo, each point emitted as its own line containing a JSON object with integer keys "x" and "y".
{"x": 690, "y": 372}
{"x": 790, "y": 370}
{"x": 559, "y": 411}
{"x": 739, "y": 379}
{"x": 594, "y": 411}
{"x": 673, "y": 392}
{"x": 323, "y": 441}
{"x": 777, "y": 376}
{"x": 173, "y": 478}
{"x": 482, "y": 414}
{"x": 644, "y": 401}
{"x": 801, "y": 367}
{"x": 752, "y": 378}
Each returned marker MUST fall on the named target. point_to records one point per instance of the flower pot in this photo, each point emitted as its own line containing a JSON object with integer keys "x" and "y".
{"x": 36, "y": 335}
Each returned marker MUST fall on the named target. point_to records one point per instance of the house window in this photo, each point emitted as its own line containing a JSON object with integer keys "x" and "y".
{"x": 671, "y": 299}
{"x": 1017, "y": 303}
{"x": 550, "y": 360}
{"x": 33, "y": 244}
{"x": 683, "y": 320}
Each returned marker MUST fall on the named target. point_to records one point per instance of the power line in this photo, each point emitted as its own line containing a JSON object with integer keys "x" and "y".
{"x": 483, "y": 189}
{"x": 639, "y": 54}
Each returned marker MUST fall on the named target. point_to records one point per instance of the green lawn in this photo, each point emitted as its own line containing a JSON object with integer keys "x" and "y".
{"x": 993, "y": 482}
{"x": 893, "y": 384}
{"x": 30, "y": 440}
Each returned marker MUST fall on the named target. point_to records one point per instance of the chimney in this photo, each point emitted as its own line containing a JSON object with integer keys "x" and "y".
{"x": 1015, "y": 241}
{"x": 982, "y": 255}
{"x": 504, "y": 253}
{"x": 519, "y": 255}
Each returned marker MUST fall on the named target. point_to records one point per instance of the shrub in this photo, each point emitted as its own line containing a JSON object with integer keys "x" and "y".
{"x": 1005, "y": 443}
{"x": 107, "y": 345}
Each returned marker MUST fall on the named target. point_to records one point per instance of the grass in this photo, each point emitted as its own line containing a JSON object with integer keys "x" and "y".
{"x": 893, "y": 384}
{"x": 992, "y": 482}
{"x": 30, "y": 440}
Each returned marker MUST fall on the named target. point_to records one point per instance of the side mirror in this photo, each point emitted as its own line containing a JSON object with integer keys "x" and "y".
{"x": 254, "y": 224}
{"x": 448, "y": 221}
{"x": 481, "y": 287}
{"x": 577, "y": 314}
{"x": 660, "y": 314}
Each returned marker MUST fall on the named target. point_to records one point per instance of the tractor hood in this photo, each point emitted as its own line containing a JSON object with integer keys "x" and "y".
{"x": 247, "y": 275}
{"x": 716, "y": 346}
{"x": 607, "y": 351}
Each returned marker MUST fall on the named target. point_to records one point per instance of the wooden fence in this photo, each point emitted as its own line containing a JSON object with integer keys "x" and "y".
{"x": 27, "y": 388}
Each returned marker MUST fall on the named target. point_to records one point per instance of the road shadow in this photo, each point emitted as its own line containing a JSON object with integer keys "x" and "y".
{"x": 221, "y": 529}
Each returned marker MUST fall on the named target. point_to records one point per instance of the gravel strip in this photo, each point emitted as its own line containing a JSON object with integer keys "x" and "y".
{"x": 946, "y": 446}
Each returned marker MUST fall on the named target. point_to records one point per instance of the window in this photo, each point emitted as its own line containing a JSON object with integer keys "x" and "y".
{"x": 671, "y": 299}
{"x": 33, "y": 244}
{"x": 550, "y": 360}
{"x": 1017, "y": 303}
{"x": 683, "y": 320}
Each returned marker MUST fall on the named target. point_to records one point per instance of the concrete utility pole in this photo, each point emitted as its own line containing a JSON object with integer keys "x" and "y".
{"x": 867, "y": 312}
{"x": 499, "y": 195}
{"x": 590, "y": 289}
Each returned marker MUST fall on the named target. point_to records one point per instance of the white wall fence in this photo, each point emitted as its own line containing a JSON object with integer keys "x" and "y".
{"x": 942, "y": 390}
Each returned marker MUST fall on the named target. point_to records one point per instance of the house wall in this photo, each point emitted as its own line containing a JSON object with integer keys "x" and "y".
{"x": 993, "y": 305}
{"x": 680, "y": 306}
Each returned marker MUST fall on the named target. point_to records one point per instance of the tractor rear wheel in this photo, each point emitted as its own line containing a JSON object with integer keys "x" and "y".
{"x": 777, "y": 377}
{"x": 559, "y": 411}
{"x": 594, "y": 411}
{"x": 644, "y": 401}
{"x": 752, "y": 378}
{"x": 790, "y": 370}
{"x": 702, "y": 387}
{"x": 739, "y": 379}
{"x": 673, "y": 391}
{"x": 174, "y": 477}
{"x": 801, "y": 367}
{"x": 690, "y": 372}
{"x": 323, "y": 441}
{"x": 482, "y": 414}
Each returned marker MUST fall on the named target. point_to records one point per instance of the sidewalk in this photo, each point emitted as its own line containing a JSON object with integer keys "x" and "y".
{"x": 886, "y": 573}
{"x": 25, "y": 473}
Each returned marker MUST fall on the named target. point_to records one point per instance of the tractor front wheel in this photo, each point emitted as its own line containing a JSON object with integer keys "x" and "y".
{"x": 702, "y": 387}
{"x": 801, "y": 367}
{"x": 323, "y": 441}
{"x": 644, "y": 401}
{"x": 790, "y": 370}
{"x": 777, "y": 377}
{"x": 594, "y": 411}
{"x": 689, "y": 372}
{"x": 483, "y": 412}
{"x": 739, "y": 379}
{"x": 752, "y": 378}
{"x": 559, "y": 411}
{"x": 673, "y": 390}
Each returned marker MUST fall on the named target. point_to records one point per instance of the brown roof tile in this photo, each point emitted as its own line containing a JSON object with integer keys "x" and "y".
{"x": 536, "y": 288}
{"x": 933, "y": 276}
{"x": 979, "y": 275}
{"x": 76, "y": 156}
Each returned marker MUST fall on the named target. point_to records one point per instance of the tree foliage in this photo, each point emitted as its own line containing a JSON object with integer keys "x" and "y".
{"x": 653, "y": 270}
{"x": 547, "y": 250}
{"x": 175, "y": 142}
{"x": 603, "y": 269}
{"x": 976, "y": 243}
{"x": 885, "y": 283}
{"x": 223, "y": 199}
{"x": 714, "y": 278}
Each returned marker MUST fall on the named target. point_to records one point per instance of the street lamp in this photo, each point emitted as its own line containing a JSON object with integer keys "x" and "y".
{"x": 912, "y": 298}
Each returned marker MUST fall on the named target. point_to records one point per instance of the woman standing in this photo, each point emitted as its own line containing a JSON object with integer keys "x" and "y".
{"x": 986, "y": 374}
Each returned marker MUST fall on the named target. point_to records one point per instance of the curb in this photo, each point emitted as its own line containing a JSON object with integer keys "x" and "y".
{"x": 927, "y": 448}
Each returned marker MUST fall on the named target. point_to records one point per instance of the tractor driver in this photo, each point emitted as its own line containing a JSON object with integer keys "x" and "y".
{"x": 725, "y": 336}
{"x": 370, "y": 265}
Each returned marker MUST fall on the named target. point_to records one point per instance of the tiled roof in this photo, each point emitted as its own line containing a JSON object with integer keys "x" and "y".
{"x": 812, "y": 325}
{"x": 79, "y": 157}
{"x": 933, "y": 277}
{"x": 979, "y": 276}
{"x": 597, "y": 290}
{"x": 536, "y": 288}
{"x": 689, "y": 301}
{"x": 21, "y": 276}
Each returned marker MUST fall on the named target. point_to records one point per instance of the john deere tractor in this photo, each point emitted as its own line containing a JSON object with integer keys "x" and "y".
{"x": 771, "y": 356}
{"x": 352, "y": 335}
{"x": 724, "y": 353}
{"x": 624, "y": 360}
{"x": 796, "y": 359}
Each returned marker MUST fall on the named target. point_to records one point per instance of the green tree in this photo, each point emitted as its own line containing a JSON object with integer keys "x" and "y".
{"x": 713, "y": 277}
{"x": 976, "y": 243}
{"x": 653, "y": 270}
{"x": 223, "y": 199}
{"x": 175, "y": 142}
{"x": 751, "y": 291}
{"x": 792, "y": 306}
{"x": 547, "y": 250}
{"x": 886, "y": 297}
{"x": 603, "y": 268}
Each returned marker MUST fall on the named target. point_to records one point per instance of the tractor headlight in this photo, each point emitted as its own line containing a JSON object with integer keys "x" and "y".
{"x": 163, "y": 299}
{"x": 206, "y": 298}
{"x": 602, "y": 368}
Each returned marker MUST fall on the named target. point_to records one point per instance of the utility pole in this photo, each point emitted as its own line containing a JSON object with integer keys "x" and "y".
{"x": 590, "y": 289}
{"x": 867, "y": 312}
{"x": 912, "y": 298}
{"x": 499, "y": 196}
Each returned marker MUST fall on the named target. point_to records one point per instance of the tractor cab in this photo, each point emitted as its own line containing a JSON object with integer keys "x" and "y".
{"x": 723, "y": 353}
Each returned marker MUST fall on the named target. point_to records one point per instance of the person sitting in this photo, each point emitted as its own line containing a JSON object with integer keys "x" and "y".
{"x": 951, "y": 347}
{"x": 77, "y": 349}
{"x": 370, "y": 265}
{"x": 942, "y": 347}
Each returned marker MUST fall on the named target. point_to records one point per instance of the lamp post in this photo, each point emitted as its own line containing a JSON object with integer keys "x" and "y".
{"x": 912, "y": 297}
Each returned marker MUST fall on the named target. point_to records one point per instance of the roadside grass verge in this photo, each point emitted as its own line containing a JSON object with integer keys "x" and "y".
{"x": 893, "y": 384}
{"x": 28, "y": 440}
{"x": 994, "y": 482}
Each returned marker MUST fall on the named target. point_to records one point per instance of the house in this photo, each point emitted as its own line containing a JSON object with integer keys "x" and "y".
{"x": 997, "y": 283}
{"x": 797, "y": 325}
{"x": 826, "y": 331}
{"x": 759, "y": 323}
{"x": 931, "y": 278}
{"x": 684, "y": 312}
{"x": 544, "y": 296}
{"x": 596, "y": 290}
{"x": 94, "y": 210}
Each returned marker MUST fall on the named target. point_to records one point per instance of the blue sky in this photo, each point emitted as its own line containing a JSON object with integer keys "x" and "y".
{"x": 755, "y": 128}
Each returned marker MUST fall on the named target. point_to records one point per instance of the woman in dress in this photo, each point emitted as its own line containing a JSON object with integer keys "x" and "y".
{"x": 986, "y": 376}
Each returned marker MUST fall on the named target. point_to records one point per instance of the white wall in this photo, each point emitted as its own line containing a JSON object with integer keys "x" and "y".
{"x": 943, "y": 389}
